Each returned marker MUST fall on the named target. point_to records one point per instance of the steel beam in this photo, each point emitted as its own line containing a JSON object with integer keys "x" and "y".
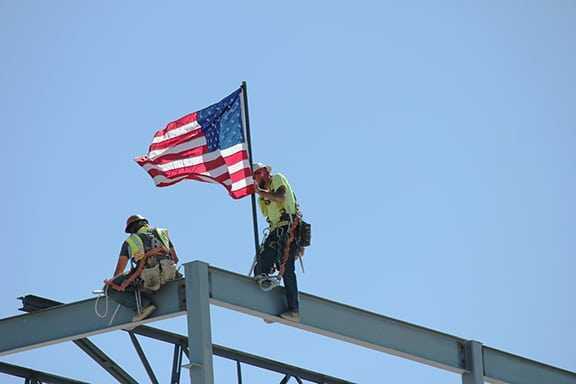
{"x": 143, "y": 358}
{"x": 105, "y": 361}
{"x": 318, "y": 315}
{"x": 31, "y": 303}
{"x": 176, "y": 364}
{"x": 77, "y": 320}
{"x": 502, "y": 367}
{"x": 370, "y": 330}
{"x": 34, "y": 303}
{"x": 474, "y": 364}
{"x": 239, "y": 372}
{"x": 242, "y": 357}
{"x": 340, "y": 321}
{"x": 33, "y": 376}
{"x": 199, "y": 328}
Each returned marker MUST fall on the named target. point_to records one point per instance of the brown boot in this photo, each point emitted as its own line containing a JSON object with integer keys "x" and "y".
{"x": 147, "y": 311}
{"x": 291, "y": 315}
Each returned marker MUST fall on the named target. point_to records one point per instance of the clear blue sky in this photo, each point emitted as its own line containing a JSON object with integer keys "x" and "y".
{"x": 431, "y": 144}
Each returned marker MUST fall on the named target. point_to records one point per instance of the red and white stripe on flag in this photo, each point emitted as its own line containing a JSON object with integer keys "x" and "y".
{"x": 180, "y": 151}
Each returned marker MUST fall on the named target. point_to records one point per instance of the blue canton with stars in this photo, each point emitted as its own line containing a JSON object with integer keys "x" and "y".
{"x": 222, "y": 123}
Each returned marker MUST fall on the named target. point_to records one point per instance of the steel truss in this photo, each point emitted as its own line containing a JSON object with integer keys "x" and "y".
{"x": 32, "y": 303}
{"x": 204, "y": 285}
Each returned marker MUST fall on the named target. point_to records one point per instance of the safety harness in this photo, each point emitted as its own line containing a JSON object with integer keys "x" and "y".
{"x": 152, "y": 265}
{"x": 293, "y": 229}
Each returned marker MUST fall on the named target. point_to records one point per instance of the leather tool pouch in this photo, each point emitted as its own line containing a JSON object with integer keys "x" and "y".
{"x": 305, "y": 232}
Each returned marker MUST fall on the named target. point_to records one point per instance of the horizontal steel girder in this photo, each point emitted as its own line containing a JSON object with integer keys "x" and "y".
{"x": 321, "y": 316}
{"x": 28, "y": 373}
{"x": 243, "y": 357}
{"x": 76, "y": 320}
{"x": 33, "y": 303}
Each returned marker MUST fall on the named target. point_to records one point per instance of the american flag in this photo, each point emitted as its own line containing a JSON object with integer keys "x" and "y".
{"x": 208, "y": 145}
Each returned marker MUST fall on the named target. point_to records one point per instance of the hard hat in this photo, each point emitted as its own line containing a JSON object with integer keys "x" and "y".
{"x": 257, "y": 166}
{"x": 133, "y": 219}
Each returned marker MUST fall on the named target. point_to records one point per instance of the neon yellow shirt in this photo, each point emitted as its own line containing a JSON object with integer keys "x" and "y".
{"x": 274, "y": 210}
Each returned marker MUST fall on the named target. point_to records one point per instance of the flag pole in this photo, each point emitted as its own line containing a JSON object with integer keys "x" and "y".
{"x": 249, "y": 141}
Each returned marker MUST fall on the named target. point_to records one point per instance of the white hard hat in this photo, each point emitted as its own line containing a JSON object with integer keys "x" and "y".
{"x": 257, "y": 166}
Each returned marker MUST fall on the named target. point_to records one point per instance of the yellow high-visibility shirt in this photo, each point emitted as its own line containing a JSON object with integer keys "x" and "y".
{"x": 274, "y": 210}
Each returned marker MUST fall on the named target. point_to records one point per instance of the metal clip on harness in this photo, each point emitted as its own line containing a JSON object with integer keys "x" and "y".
{"x": 267, "y": 283}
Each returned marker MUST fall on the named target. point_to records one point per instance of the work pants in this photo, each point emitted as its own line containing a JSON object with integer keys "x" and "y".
{"x": 270, "y": 258}
{"x": 128, "y": 297}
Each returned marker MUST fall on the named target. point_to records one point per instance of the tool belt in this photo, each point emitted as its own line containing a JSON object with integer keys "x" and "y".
{"x": 158, "y": 273}
{"x": 304, "y": 234}
{"x": 151, "y": 273}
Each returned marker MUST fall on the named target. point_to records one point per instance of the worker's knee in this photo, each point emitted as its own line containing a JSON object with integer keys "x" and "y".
{"x": 125, "y": 299}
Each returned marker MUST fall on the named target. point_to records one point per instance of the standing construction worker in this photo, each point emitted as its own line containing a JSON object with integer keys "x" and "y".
{"x": 280, "y": 248}
{"x": 153, "y": 263}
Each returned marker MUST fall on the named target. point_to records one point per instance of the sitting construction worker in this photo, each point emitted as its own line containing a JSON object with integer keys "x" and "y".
{"x": 153, "y": 263}
{"x": 280, "y": 248}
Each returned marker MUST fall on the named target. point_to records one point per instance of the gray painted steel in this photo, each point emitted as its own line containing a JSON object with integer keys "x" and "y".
{"x": 28, "y": 373}
{"x": 199, "y": 330}
{"x": 319, "y": 315}
{"x": 341, "y": 321}
{"x": 243, "y": 357}
{"x": 105, "y": 361}
{"x": 474, "y": 364}
{"x": 143, "y": 358}
{"x": 31, "y": 303}
{"x": 502, "y": 367}
{"x": 239, "y": 372}
{"x": 378, "y": 332}
{"x": 176, "y": 364}
{"x": 75, "y": 321}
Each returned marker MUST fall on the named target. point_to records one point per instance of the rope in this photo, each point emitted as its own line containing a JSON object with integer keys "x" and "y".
{"x": 102, "y": 315}
{"x": 114, "y": 315}
{"x": 138, "y": 300}
{"x": 106, "y": 307}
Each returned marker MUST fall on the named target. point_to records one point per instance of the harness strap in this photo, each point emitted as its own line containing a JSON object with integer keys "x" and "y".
{"x": 289, "y": 241}
{"x": 133, "y": 275}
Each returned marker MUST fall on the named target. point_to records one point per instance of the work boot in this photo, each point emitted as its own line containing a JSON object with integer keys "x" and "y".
{"x": 147, "y": 311}
{"x": 291, "y": 315}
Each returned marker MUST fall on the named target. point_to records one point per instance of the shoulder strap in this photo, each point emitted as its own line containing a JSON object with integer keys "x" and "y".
{"x": 162, "y": 235}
